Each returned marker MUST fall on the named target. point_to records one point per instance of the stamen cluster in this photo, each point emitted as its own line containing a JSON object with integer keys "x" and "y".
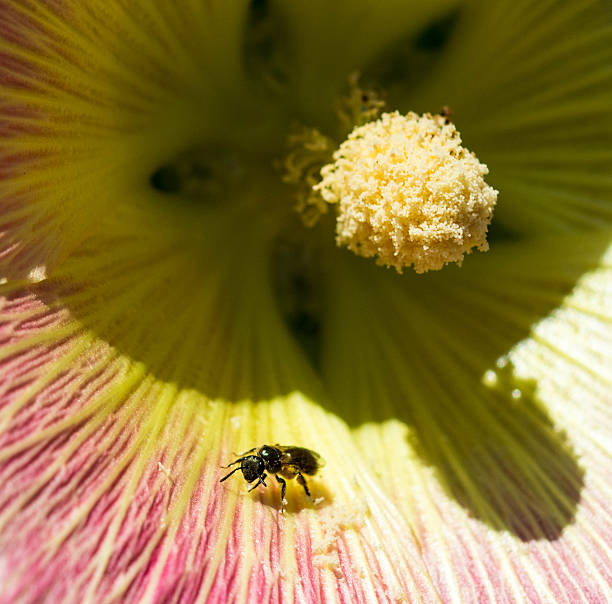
{"x": 408, "y": 193}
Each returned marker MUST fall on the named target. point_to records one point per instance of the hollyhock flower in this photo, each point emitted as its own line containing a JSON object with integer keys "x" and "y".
{"x": 164, "y": 307}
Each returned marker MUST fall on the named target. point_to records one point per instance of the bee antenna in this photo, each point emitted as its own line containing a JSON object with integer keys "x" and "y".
{"x": 226, "y": 477}
{"x": 233, "y": 462}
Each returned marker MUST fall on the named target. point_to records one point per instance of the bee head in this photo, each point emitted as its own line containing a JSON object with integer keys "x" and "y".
{"x": 252, "y": 467}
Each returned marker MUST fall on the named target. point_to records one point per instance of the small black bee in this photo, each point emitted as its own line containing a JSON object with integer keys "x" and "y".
{"x": 290, "y": 462}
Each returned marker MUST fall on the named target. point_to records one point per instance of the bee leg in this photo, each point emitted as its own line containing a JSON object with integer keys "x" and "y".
{"x": 302, "y": 481}
{"x": 259, "y": 481}
{"x": 283, "y": 484}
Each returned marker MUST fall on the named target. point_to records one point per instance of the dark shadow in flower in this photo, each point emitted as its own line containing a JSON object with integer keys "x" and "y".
{"x": 210, "y": 312}
{"x": 408, "y": 60}
{"x": 265, "y": 48}
{"x": 199, "y": 176}
{"x": 298, "y": 286}
{"x": 430, "y": 351}
{"x": 515, "y": 470}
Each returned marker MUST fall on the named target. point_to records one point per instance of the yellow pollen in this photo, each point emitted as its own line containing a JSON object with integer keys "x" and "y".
{"x": 408, "y": 193}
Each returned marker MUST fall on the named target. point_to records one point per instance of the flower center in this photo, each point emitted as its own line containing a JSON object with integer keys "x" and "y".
{"x": 405, "y": 190}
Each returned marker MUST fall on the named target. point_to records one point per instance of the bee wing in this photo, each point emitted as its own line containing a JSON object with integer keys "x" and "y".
{"x": 286, "y": 451}
{"x": 291, "y": 453}
{"x": 319, "y": 459}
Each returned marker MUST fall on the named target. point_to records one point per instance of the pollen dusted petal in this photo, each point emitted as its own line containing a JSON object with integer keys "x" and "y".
{"x": 111, "y": 487}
